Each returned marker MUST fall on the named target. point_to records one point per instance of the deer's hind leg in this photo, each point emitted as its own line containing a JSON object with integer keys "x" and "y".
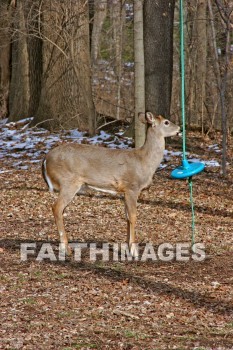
{"x": 66, "y": 195}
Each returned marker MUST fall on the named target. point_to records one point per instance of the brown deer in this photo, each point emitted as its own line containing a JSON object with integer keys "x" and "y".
{"x": 68, "y": 167}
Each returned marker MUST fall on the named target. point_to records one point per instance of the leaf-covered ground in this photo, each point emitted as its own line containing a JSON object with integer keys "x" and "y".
{"x": 64, "y": 305}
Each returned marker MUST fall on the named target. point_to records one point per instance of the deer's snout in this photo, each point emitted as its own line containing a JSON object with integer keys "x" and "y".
{"x": 179, "y": 132}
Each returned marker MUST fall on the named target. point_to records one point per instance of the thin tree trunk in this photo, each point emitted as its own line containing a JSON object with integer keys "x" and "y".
{"x": 222, "y": 80}
{"x": 81, "y": 63}
{"x": 5, "y": 40}
{"x": 139, "y": 70}
{"x": 19, "y": 86}
{"x": 216, "y": 65}
{"x": 118, "y": 15}
{"x": 100, "y": 11}
{"x": 34, "y": 44}
{"x": 200, "y": 77}
{"x": 224, "y": 101}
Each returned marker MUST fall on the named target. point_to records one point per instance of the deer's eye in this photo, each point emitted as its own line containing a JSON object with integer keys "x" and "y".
{"x": 166, "y": 122}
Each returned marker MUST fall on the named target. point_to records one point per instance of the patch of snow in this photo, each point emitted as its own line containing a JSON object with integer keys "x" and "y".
{"x": 104, "y": 135}
{"x": 21, "y": 121}
{"x": 195, "y": 160}
{"x": 23, "y": 167}
{"x": 9, "y": 132}
{"x": 35, "y": 160}
{"x": 5, "y": 171}
{"x": 15, "y": 155}
{"x": 3, "y": 121}
{"x": 112, "y": 80}
{"x": 174, "y": 154}
{"x": 122, "y": 146}
{"x": 162, "y": 166}
{"x": 215, "y": 148}
{"x": 129, "y": 64}
{"x": 75, "y": 134}
{"x": 208, "y": 163}
{"x": 23, "y": 145}
{"x": 212, "y": 163}
{"x": 19, "y": 145}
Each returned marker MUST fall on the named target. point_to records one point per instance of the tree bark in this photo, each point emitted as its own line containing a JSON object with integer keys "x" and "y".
{"x": 100, "y": 11}
{"x": 158, "y": 46}
{"x": 196, "y": 45}
{"x": 66, "y": 95}
{"x": 118, "y": 17}
{"x": 34, "y": 45}
{"x": 19, "y": 85}
{"x": 5, "y": 39}
{"x": 139, "y": 73}
{"x": 201, "y": 42}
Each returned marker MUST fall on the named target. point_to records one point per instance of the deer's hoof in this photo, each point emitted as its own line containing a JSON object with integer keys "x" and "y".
{"x": 134, "y": 250}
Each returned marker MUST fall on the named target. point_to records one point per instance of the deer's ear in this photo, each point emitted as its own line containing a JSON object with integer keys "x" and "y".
{"x": 151, "y": 119}
{"x": 142, "y": 117}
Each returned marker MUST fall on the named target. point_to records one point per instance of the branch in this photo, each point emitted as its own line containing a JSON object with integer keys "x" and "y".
{"x": 113, "y": 121}
{"x": 225, "y": 15}
{"x": 44, "y": 38}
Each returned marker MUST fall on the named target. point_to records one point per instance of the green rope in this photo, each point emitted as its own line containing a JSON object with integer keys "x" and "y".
{"x": 182, "y": 66}
{"x": 192, "y": 207}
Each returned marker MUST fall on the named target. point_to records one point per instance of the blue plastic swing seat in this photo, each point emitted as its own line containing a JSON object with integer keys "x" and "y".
{"x": 187, "y": 169}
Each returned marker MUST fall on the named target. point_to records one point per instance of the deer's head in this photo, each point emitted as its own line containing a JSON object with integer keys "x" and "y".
{"x": 164, "y": 126}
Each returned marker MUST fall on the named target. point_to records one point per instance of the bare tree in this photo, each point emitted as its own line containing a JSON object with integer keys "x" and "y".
{"x": 34, "y": 47}
{"x": 51, "y": 65}
{"x": 158, "y": 46}
{"x": 19, "y": 85}
{"x": 200, "y": 76}
{"x": 225, "y": 13}
{"x": 222, "y": 69}
{"x": 5, "y": 19}
{"x": 100, "y": 11}
{"x": 66, "y": 65}
{"x": 139, "y": 73}
{"x": 118, "y": 18}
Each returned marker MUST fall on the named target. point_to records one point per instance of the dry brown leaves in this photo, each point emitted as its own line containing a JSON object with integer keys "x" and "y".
{"x": 117, "y": 305}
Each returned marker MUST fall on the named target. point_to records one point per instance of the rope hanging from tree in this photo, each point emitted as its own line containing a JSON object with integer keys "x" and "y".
{"x": 187, "y": 169}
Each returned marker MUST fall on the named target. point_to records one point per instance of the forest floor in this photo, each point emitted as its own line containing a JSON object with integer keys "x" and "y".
{"x": 152, "y": 304}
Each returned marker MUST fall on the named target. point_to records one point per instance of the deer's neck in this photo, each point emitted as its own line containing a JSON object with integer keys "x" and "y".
{"x": 154, "y": 145}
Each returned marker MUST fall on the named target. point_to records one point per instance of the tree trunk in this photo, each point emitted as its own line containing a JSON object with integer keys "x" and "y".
{"x": 100, "y": 11}
{"x": 215, "y": 86}
{"x": 66, "y": 95}
{"x": 158, "y": 46}
{"x": 201, "y": 62}
{"x": 118, "y": 16}
{"x": 197, "y": 62}
{"x": 139, "y": 73}
{"x": 19, "y": 85}
{"x": 34, "y": 44}
{"x": 5, "y": 23}
{"x": 82, "y": 63}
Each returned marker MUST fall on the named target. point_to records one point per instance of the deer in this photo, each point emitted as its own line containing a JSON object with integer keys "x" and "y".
{"x": 70, "y": 167}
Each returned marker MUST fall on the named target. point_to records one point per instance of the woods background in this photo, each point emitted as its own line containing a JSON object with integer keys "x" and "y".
{"x": 72, "y": 63}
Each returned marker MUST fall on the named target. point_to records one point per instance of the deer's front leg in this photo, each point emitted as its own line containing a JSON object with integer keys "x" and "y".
{"x": 131, "y": 213}
{"x": 128, "y": 224}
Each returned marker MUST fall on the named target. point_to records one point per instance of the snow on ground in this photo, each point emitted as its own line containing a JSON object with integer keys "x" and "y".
{"x": 21, "y": 146}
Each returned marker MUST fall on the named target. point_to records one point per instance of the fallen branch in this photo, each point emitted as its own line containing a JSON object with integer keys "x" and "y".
{"x": 112, "y": 121}
{"x": 126, "y": 314}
